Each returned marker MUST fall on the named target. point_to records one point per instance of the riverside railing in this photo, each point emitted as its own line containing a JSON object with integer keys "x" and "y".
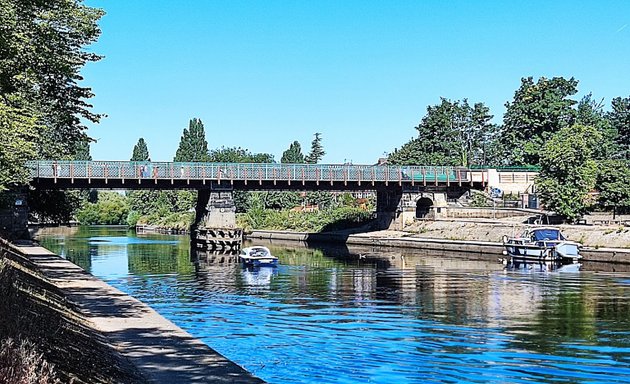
{"x": 49, "y": 169}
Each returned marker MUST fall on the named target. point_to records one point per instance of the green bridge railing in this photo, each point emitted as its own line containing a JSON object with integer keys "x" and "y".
{"x": 47, "y": 169}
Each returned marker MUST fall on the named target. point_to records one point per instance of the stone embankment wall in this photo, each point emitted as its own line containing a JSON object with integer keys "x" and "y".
{"x": 471, "y": 239}
{"x": 93, "y": 332}
{"x": 33, "y": 309}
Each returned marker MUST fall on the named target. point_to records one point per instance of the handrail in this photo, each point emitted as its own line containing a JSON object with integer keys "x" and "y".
{"x": 53, "y": 169}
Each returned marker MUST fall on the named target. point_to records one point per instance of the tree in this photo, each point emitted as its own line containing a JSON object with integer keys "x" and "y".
{"x": 17, "y": 132}
{"x": 568, "y": 170}
{"x": 238, "y": 155}
{"x": 293, "y": 155}
{"x": 619, "y": 118}
{"x": 538, "y": 111}
{"x": 140, "y": 151}
{"x": 317, "y": 150}
{"x": 451, "y": 133}
{"x": 193, "y": 146}
{"x": 242, "y": 199}
{"x": 41, "y": 56}
{"x": 82, "y": 152}
{"x": 613, "y": 182}
{"x": 591, "y": 112}
{"x": 110, "y": 209}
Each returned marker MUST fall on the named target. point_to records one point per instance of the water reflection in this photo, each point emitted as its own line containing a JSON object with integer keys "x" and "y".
{"x": 357, "y": 314}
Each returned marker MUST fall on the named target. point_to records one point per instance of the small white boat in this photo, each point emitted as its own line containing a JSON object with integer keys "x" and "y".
{"x": 257, "y": 256}
{"x": 541, "y": 244}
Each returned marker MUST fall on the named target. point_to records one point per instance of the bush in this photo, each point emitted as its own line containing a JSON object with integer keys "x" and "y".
{"x": 110, "y": 209}
{"x": 317, "y": 221}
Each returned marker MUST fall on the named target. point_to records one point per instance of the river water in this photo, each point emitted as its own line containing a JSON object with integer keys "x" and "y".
{"x": 358, "y": 315}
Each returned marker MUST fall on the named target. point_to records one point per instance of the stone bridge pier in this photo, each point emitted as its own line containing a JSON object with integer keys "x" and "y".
{"x": 396, "y": 208}
{"x": 214, "y": 229}
{"x": 388, "y": 208}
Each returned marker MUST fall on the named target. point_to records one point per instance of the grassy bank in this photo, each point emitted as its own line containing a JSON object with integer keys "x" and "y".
{"x": 44, "y": 338}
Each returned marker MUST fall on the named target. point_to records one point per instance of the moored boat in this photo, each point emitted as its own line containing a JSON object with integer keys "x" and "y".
{"x": 542, "y": 244}
{"x": 257, "y": 256}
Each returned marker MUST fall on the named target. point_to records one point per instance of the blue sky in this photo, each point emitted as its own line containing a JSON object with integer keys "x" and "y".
{"x": 261, "y": 74}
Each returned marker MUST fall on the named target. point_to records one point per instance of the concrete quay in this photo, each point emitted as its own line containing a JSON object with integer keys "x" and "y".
{"x": 474, "y": 249}
{"x": 161, "y": 351}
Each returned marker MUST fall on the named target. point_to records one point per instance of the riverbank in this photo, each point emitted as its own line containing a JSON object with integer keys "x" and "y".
{"x": 94, "y": 333}
{"x": 480, "y": 239}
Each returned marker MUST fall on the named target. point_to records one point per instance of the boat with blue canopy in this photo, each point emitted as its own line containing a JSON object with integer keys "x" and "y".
{"x": 542, "y": 244}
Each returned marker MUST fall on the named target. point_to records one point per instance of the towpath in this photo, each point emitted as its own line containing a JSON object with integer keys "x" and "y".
{"x": 162, "y": 351}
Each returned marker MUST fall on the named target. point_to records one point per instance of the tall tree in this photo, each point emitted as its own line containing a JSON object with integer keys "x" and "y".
{"x": 451, "y": 133}
{"x": 538, "y": 111}
{"x": 16, "y": 146}
{"x": 82, "y": 152}
{"x": 41, "y": 55}
{"x": 613, "y": 182}
{"x": 193, "y": 146}
{"x": 591, "y": 112}
{"x": 569, "y": 170}
{"x": 619, "y": 117}
{"x": 140, "y": 151}
{"x": 317, "y": 150}
{"x": 293, "y": 155}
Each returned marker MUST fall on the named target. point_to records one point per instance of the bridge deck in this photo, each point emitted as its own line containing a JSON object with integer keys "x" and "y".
{"x": 131, "y": 174}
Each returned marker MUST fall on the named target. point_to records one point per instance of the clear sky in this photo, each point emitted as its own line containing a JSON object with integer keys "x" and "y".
{"x": 261, "y": 74}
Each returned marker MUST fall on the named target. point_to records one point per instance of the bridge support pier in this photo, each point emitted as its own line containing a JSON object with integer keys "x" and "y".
{"x": 389, "y": 208}
{"x": 14, "y": 216}
{"x": 214, "y": 229}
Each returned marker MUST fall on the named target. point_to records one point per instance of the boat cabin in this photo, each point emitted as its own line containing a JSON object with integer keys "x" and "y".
{"x": 544, "y": 234}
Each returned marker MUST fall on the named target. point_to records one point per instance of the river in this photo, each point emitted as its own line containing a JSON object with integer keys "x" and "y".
{"x": 332, "y": 314}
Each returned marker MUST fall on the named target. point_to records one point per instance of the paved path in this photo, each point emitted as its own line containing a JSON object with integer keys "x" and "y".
{"x": 163, "y": 352}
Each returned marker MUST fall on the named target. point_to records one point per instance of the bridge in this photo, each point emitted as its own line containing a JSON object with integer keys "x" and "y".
{"x": 215, "y": 182}
{"x": 248, "y": 176}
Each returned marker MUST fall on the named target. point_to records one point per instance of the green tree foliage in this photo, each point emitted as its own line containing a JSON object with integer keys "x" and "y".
{"x": 591, "y": 112}
{"x": 47, "y": 206}
{"x": 41, "y": 55}
{"x": 140, "y": 151}
{"x": 537, "y": 111}
{"x": 619, "y": 118}
{"x": 110, "y": 209}
{"x": 193, "y": 146}
{"x": 293, "y": 155}
{"x": 242, "y": 199}
{"x": 280, "y": 199}
{"x": 317, "y": 150}
{"x": 238, "y": 155}
{"x": 568, "y": 170}
{"x": 17, "y": 133}
{"x": 613, "y": 182}
{"x": 318, "y": 221}
{"x": 82, "y": 152}
{"x": 451, "y": 133}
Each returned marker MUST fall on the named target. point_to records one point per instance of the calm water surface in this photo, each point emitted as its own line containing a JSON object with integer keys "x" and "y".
{"x": 339, "y": 315}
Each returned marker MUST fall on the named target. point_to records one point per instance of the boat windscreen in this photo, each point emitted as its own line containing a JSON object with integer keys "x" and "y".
{"x": 547, "y": 234}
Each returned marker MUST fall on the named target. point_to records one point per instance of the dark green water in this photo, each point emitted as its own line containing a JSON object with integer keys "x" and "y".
{"x": 328, "y": 315}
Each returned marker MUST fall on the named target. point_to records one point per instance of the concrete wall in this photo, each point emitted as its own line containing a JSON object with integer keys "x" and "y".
{"x": 484, "y": 213}
{"x": 511, "y": 182}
